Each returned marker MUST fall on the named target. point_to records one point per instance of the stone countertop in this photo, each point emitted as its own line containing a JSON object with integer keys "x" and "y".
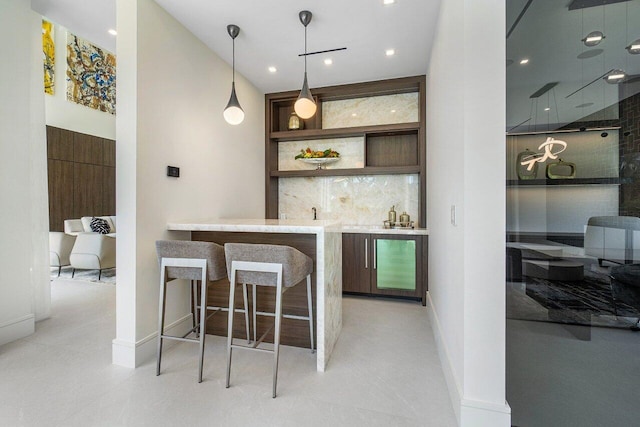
{"x": 287, "y": 226}
{"x": 258, "y": 225}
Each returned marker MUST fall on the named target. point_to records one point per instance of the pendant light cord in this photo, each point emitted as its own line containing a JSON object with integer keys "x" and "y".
{"x": 233, "y": 61}
{"x": 305, "y": 49}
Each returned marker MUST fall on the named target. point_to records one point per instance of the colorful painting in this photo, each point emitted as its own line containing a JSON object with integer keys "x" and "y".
{"x": 91, "y": 75}
{"x": 49, "y": 56}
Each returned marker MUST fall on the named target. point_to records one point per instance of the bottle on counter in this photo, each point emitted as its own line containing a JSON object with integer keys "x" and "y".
{"x": 392, "y": 215}
{"x": 405, "y": 219}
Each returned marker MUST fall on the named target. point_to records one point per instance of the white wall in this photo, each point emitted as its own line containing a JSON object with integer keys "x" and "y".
{"x": 24, "y": 280}
{"x": 171, "y": 93}
{"x": 466, "y": 123}
{"x": 69, "y": 115}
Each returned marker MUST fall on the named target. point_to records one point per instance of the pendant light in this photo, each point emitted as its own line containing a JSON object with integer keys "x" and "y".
{"x": 233, "y": 113}
{"x": 305, "y": 107}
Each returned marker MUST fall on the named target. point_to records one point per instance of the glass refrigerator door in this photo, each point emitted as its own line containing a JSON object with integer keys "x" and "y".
{"x": 395, "y": 264}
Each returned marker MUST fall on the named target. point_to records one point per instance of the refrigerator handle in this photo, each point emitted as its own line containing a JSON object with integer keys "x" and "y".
{"x": 366, "y": 252}
{"x": 373, "y": 243}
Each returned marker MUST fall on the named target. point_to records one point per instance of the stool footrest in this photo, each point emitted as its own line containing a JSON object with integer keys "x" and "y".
{"x": 171, "y": 337}
{"x": 286, "y": 316}
{"x": 246, "y": 347}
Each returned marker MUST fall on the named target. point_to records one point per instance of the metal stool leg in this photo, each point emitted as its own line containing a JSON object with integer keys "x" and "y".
{"x": 232, "y": 288}
{"x": 255, "y": 319}
{"x": 203, "y": 320}
{"x": 194, "y": 300}
{"x": 310, "y": 304}
{"x": 246, "y": 310}
{"x": 163, "y": 297}
{"x": 276, "y": 336}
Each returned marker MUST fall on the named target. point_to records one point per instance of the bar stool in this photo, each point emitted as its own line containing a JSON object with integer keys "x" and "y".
{"x": 203, "y": 261}
{"x": 277, "y": 266}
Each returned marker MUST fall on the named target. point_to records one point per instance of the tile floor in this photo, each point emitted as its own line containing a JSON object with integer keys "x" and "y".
{"x": 384, "y": 372}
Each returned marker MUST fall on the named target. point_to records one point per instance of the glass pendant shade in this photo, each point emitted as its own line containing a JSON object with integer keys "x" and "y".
{"x": 305, "y": 107}
{"x": 233, "y": 113}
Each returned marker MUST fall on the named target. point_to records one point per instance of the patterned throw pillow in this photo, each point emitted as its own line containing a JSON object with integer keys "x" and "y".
{"x": 99, "y": 225}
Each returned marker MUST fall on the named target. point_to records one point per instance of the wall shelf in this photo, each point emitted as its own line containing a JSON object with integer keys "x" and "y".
{"x": 563, "y": 182}
{"x": 392, "y": 170}
{"x": 300, "y": 135}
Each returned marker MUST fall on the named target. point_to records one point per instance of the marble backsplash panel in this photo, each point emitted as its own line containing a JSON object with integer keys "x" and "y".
{"x": 351, "y": 153}
{"x": 372, "y": 110}
{"x": 354, "y": 200}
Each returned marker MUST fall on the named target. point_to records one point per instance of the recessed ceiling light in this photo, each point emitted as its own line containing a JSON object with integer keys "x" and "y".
{"x": 524, "y": 61}
{"x": 390, "y": 52}
{"x": 393, "y": 111}
{"x": 388, "y": 1}
{"x": 634, "y": 48}
{"x": 272, "y": 69}
{"x": 615, "y": 76}
{"x": 353, "y": 114}
{"x": 547, "y": 109}
{"x": 328, "y": 61}
{"x": 593, "y": 38}
{"x": 112, "y": 32}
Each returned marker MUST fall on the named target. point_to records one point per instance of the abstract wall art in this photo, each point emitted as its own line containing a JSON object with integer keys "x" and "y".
{"x": 49, "y": 56}
{"x": 91, "y": 75}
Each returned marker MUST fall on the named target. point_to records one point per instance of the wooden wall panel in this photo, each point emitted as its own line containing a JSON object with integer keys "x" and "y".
{"x": 108, "y": 190}
{"x": 82, "y": 176}
{"x": 59, "y": 144}
{"x": 87, "y": 190}
{"x": 392, "y": 150}
{"x": 60, "y": 194}
{"x": 109, "y": 153}
{"x": 87, "y": 149}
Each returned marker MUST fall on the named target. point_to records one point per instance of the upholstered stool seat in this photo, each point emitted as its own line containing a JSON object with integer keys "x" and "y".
{"x": 194, "y": 261}
{"x": 276, "y": 266}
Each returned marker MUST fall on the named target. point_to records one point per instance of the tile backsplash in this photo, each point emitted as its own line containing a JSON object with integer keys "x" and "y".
{"x": 354, "y": 200}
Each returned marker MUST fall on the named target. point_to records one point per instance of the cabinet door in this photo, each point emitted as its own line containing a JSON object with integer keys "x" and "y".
{"x": 356, "y": 263}
{"x": 397, "y": 265}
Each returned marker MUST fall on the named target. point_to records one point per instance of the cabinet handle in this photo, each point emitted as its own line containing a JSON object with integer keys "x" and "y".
{"x": 374, "y": 254}
{"x": 366, "y": 253}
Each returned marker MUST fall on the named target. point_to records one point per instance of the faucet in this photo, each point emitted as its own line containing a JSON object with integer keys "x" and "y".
{"x": 314, "y": 213}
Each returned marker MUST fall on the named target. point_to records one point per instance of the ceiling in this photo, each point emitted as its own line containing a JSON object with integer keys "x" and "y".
{"x": 550, "y": 35}
{"x": 272, "y": 35}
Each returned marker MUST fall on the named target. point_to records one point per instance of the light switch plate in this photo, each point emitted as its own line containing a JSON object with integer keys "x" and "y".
{"x": 173, "y": 171}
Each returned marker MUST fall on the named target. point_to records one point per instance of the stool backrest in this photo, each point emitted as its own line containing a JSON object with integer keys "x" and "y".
{"x": 212, "y": 252}
{"x": 295, "y": 265}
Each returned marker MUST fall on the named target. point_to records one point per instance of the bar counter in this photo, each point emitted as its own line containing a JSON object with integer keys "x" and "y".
{"x": 319, "y": 239}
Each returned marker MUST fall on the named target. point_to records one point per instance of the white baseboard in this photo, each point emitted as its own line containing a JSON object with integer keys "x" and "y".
{"x": 469, "y": 413}
{"x": 15, "y": 329}
{"x": 476, "y": 413}
{"x": 133, "y": 354}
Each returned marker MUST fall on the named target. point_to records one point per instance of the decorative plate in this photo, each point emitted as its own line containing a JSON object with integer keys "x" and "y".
{"x": 320, "y": 161}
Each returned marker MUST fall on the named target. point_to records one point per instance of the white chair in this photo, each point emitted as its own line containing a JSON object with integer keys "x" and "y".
{"x": 93, "y": 251}
{"x": 277, "y": 266}
{"x": 60, "y": 245}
